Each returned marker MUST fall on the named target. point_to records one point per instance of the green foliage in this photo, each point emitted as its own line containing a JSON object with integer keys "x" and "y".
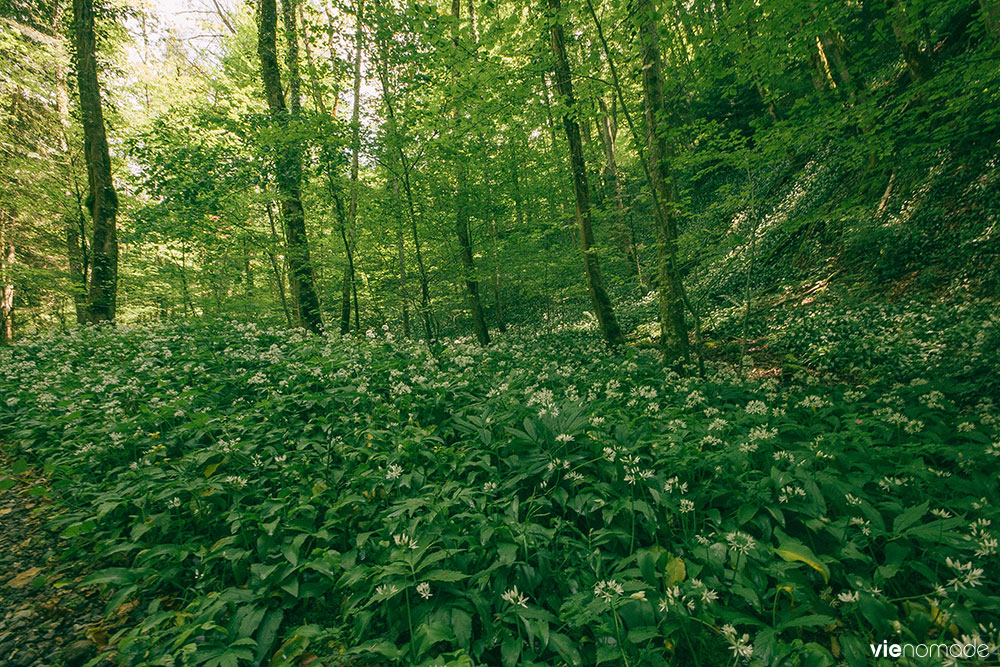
{"x": 266, "y": 496}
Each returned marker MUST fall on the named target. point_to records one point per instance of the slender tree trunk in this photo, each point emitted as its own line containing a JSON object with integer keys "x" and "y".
{"x": 462, "y": 214}
{"x": 7, "y": 258}
{"x": 613, "y": 178}
{"x": 314, "y": 88}
{"x": 554, "y": 188}
{"x": 278, "y": 277}
{"x": 516, "y": 194}
{"x": 185, "y": 289}
{"x": 564, "y": 86}
{"x": 350, "y": 280}
{"x": 331, "y": 37}
{"x": 401, "y": 254}
{"x": 288, "y": 174}
{"x": 404, "y": 165}
{"x": 102, "y": 200}
{"x": 494, "y": 243}
{"x": 673, "y": 330}
{"x": 425, "y": 296}
{"x": 73, "y": 220}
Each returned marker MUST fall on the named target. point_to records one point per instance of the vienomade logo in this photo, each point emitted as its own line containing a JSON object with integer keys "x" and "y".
{"x": 940, "y": 650}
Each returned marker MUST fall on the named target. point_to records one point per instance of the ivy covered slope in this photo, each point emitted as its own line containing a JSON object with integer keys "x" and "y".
{"x": 267, "y": 497}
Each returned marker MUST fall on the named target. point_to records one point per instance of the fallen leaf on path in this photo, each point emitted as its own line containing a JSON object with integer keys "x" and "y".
{"x": 25, "y": 578}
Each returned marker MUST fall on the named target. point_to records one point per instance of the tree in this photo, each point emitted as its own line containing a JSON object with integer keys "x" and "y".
{"x": 288, "y": 175}
{"x": 102, "y": 201}
{"x": 564, "y": 87}
{"x": 462, "y": 208}
{"x": 673, "y": 330}
{"x": 7, "y": 256}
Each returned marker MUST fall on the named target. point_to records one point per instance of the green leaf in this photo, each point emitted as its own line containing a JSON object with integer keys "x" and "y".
{"x": 794, "y": 551}
{"x": 507, "y": 553}
{"x": 444, "y": 575}
{"x": 510, "y": 651}
{"x": 111, "y": 575}
{"x": 565, "y": 647}
{"x": 808, "y": 621}
{"x": 909, "y": 517}
{"x": 461, "y": 623}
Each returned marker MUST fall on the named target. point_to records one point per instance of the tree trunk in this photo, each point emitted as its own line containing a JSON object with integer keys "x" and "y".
{"x": 554, "y": 188}
{"x": 516, "y": 194}
{"x": 74, "y": 219}
{"x": 6, "y": 280}
{"x": 288, "y": 175}
{"x": 350, "y": 280}
{"x": 564, "y": 86}
{"x": 404, "y": 165}
{"x": 494, "y": 243}
{"x": 314, "y": 88}
{"x": 673, "y": 330}
{"x": 462, "y": 214}
{"x": 613, "y": 179}
{"x": 102, "y": 199}
{"x": 278, "y": 277}
{"x": 401, "y": 254}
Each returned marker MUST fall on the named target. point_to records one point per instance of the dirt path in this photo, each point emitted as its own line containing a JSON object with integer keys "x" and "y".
{"x": 46, "y": 620}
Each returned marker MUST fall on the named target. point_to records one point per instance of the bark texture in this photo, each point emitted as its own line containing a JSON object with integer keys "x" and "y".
{"x": 673, "y": 330}
{"x": 288, "y": 176}
{"x": 102, "y": 200}
{"x": 462, "y": 218}
{"x": 564, "y": 87}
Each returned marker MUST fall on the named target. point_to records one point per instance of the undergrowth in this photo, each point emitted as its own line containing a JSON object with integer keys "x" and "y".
{"x": 267, "y": 497}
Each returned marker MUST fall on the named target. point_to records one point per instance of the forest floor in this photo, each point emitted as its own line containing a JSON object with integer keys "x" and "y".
{"x": 224, "y": 494}
{"x": 45, "y": 620}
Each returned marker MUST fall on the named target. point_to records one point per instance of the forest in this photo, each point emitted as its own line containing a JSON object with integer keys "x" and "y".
{"x": 499, "y": 332}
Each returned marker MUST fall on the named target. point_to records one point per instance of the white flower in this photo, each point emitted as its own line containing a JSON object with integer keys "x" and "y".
{"x": 848, "y": 596}
{"x": 424, "y": 589}
{"x": 686, "y": 506}
{"x": 393, "y": 472}
{"x": 740, "y": 542}
{"x": 564, "y": 437}
{"x": 762, "y": 433}
{"x": 608, "y": 589}
{"x": 514, "y": 597}
{"x": 236, "y": 480}
{"x": 387, "y": 590}
{"x": 742, "y": 647}
{"x": 404, "y": 541}
{"x": 968, "y": 576}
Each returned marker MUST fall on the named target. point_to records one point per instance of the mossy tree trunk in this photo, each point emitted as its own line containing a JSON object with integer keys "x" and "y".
{"x": 102, "y": 200}
{"x": 288, "y": 175}
{"x": 603, "y": 309}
